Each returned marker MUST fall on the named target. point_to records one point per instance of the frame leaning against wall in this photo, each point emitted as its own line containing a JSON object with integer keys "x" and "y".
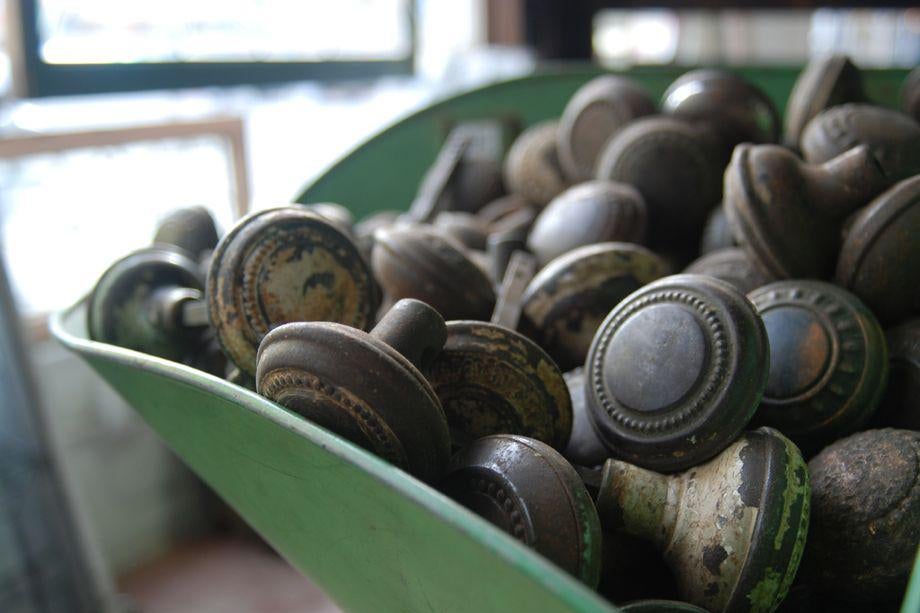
{"x": 33, "y": 77}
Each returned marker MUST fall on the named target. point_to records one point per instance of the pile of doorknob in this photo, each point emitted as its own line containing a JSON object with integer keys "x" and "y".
{"x": 518, "y": 339}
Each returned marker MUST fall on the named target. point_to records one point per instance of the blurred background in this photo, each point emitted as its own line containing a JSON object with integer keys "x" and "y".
{"x": 113, "y": 113}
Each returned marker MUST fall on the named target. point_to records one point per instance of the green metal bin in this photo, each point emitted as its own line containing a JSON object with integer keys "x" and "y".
{"x": 374, "y": 538}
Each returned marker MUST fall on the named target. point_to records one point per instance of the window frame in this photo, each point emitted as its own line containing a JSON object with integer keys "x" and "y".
{"x": 37, "y": 78}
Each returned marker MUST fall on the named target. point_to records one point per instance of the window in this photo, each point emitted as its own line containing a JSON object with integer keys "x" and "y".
{"x": 83, "y": 46}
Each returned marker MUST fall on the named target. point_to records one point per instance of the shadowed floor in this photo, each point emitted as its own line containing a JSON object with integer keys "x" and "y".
{"x": 223, "y": 576}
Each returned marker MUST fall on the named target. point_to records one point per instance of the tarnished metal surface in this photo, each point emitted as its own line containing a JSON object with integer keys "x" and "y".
{"x": 584, "y": 447}
{"x": 191, "y": 229}
{"x": 866, "y": 516}
{"x": 335, "y": 214}
{"x": 463, "y": 227}
{"x": 492, "y": 380}
{"x": 675, "y": 166}
{"x": 495, "y": 212}
{"x": 595, "y": 112}
{"x": 138, "y": 302}
{"x": 415, "y": 261}
{"x": 732, "y": 265}
{"x": 717, "y": 233}
{"x": 569, "y": 298}
{"x": 892, "y": 136}
{"x": 284, "y": 265}
{"x": 361, "y": 387}
{"x": 532, "y": 167}
{"x": 828, "y": 361}
{"x": 726, "y": 105}
{"x": 825, "y": 82}
{"x": 732, "y": 530}
{"x": 519, "y": 272}
{"x": 676, "y": 371}
{"x": 432, "y": 194}
{"x": 788, "y": 214}
{"x": 900, "y": 406}
{"x": 588, "y": 213}
{"x": 528, "y": 490}
{"x": 880, "y": 257}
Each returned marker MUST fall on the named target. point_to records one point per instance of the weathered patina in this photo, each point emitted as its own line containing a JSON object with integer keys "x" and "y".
{"x": 284, "y": 265}
{"x": 416, "y": 261}
{"x": 365, "y": 387}
{"x": 588, "y": 213}
{"x": 880, "y": 257}
{"x": 866, "y": 516}
{"x": 828, "y": 361}
{"x": 138, "y": 304}
{"x": 788, "y": 215}
{"x": 676, "y": 371}
{"x": 492, "y": 380}
{"x": 732, "y": 265}
{"x": 732, "y": 530}
{"x": 528, "y": 490}
{"x": 593, "y": 114}
{"x": 825, "y": 82}
{"x": 568, "y": 299}
{"x": 532, "y": 168}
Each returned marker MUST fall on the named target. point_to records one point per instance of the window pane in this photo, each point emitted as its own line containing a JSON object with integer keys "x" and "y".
{"x": 115, "y": 31}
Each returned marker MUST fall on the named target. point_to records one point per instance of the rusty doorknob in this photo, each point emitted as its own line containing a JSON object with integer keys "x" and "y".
{"x": 144, "y": 301}
{"x": 892, "y": 136}
{"x": 368, "y": 388}
{"x": 865, "y": 515}
{"x": 528, "y": 490}
{"x": 593, "y": 114}
{"x": 283, "y": 265}
{"x": 788, "y": 214}
{"x": 675, "y": 166}
{"x": 676, "y": 371}
{"x": 825, "y": 82}
{"x": 724, "y": 103}
{"x": 828, "y": 361}
{"x": 732, "y": 530}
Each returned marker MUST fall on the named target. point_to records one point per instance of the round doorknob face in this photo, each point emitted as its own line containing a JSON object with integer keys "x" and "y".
{"x": 825, "y": 82}
{"x": 891, "y": 135}
{"x": 595, "y": 112}
{"x": 361, "y": 387}
{"x": 878, "y": 259}
{"x": 676, "y": 371}
{"x": 122, "y": 307}
{"x": 588, "y": 213}
{"x": 492, "y": 380}
{"x": 732, "y": 265}
{"x": 532, "y": 168}
{"x": 734, "y": 109}
{"x": 565, "y": 303}
{"x": 416, "y": 261}
{"x": 284, "y": 265}
{"x": 525, "y": 488}
{"x": 828, "y": 361}
{"x": 191, "y": 229}
{"x": 865, "y": 515}
{"x": 674, "y": 166}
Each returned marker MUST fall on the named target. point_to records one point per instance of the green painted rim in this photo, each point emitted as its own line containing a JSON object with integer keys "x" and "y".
{"x": 545, "y": 578}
